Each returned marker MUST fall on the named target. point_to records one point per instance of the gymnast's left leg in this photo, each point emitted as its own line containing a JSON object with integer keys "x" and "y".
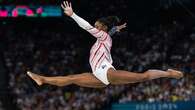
{"x": 118, "y": 77}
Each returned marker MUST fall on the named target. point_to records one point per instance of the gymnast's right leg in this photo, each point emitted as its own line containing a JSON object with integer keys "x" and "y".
{"x": 84, "y": 80}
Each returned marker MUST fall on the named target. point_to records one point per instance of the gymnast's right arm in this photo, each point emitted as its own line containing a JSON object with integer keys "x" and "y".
{"x": 81, "y": 22}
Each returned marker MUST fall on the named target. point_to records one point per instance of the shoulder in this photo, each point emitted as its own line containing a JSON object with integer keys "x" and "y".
{"x": 105, "y": 36}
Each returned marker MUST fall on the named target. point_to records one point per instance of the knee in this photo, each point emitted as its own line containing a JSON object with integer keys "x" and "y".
{"x": 76, "y": 78}
{"x": 146, "y": 75}
{"x": 72, "y": 78}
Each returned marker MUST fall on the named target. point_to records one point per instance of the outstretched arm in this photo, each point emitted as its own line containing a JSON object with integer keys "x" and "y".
{"x": 67, "y": 7}
{"x": 120, "y": 27}
{"x": 112, "y": 31}
{"x": 117, "y": 29}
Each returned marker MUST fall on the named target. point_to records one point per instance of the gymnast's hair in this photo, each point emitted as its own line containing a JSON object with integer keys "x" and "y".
{"x": 109, "y": 21}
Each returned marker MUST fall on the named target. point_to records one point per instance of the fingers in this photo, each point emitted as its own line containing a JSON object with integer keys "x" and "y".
{"x": 119, "y": 28}
{"x": 62, "y": 6}
{"x": 65, "y": 4}
{"x": 70, "y": 5}
{"x": 124, "y": 25}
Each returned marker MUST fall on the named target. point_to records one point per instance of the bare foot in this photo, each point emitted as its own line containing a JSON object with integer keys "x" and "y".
{"x": 175, "y": 74}
{"x": 38, "y": 79}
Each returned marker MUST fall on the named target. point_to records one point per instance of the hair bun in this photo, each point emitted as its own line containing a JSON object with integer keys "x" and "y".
{"x": 113, "y": 20}
{"x": 109, "y": 21}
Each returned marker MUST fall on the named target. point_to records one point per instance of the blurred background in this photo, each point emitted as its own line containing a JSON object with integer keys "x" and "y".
{"x": 35, "y": 35}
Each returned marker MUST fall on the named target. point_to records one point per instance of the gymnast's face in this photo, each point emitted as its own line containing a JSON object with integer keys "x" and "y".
{"x": 101, "y": 26}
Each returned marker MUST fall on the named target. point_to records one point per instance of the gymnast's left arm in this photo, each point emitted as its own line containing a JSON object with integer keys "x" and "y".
{"x": 112, "y": 31}
{"x": 117, "y": 29}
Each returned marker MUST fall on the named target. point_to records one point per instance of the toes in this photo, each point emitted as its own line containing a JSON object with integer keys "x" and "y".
{"x": 29, "y": 73}
{"x": 33, "y": 76}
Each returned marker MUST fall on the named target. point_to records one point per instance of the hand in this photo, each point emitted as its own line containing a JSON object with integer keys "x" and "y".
{"x": 67, "y": 7}
{"x": 118, "y": 28}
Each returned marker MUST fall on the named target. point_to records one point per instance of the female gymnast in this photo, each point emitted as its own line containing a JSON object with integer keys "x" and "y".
{"x": 103, "y": 73}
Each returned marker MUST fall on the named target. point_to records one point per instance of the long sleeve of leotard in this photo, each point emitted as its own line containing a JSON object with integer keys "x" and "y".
{"x": 112, "y": 31}
{"x": 88, "y": 27}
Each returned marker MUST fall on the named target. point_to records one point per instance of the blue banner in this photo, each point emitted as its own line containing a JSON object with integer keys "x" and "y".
{"x": 180, "y": 105}
{"x": 30, "y": 11}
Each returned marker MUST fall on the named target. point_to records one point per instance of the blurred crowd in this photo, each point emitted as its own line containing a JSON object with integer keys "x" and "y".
{"x": 1, "y": 108}
{"x": 57, "y": 53}
{"x": 53, "y": 51}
